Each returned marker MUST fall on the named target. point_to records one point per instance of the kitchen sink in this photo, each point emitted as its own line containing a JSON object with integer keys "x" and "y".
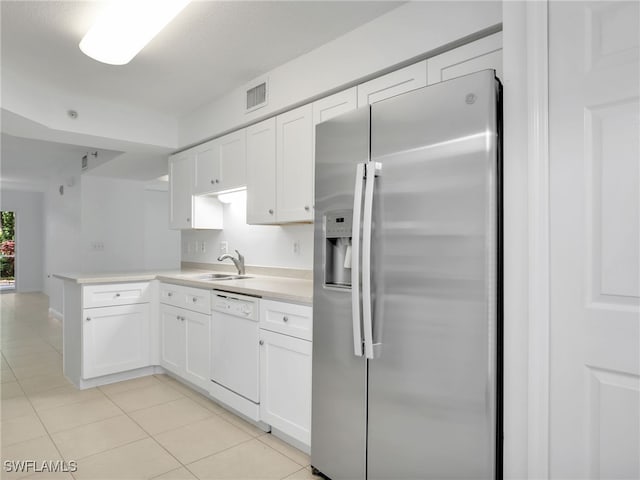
{"x": 220, "y": 276}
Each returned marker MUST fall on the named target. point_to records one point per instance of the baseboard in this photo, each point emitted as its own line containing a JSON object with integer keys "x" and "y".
{"x": 55, "y": 314}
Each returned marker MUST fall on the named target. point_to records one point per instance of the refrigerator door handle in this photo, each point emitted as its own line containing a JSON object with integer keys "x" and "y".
{"x": 372, "y": 171}
{"x": 355, "y": 261}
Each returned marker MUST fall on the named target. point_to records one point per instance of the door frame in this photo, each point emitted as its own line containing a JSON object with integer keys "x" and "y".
{"x": 526, "y": 244}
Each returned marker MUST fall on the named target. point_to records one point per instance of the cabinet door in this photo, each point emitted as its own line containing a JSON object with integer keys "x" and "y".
{"x": 207, "y": 174}
{"x": 261, "y": 172}
{"x": 115, "y": 339}
{"x": 233, "y": 160}
{"x": 285, "y": 384}
{"x": 470, "y": 58}
{"x": 180, "y": 188}
{"x": 294, "y": 165}
{"x": 392, "y": 84}
{"x": 335, "y": 105}
{"x": 172, "y": 339}
{"x": 197, "y": 340}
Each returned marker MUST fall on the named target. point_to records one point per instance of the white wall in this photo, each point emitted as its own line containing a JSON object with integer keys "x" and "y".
{"x": 402, "y": 34}
{"x": 131, "y": 224}
{"x": 261, "y": 245}
{"x": 28, "y": 207}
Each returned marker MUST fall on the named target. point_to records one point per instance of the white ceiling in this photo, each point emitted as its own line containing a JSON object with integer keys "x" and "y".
{"x": 211, "y": 48}
{"x": 208, "y": 50}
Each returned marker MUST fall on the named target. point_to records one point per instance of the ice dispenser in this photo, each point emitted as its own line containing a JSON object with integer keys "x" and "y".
{"x": 337, "y": 249}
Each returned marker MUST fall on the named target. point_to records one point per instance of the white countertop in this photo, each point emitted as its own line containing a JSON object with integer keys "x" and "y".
{"x": 267, "y": 286}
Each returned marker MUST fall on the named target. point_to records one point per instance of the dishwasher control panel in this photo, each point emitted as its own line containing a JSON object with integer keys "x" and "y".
{"x": 236, "y": 306}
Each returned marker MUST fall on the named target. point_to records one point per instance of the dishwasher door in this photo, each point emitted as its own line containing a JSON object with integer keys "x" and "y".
{"x": 234, "y": 346}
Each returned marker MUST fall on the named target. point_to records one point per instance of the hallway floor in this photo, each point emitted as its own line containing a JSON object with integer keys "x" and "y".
{"x": 151, "y": 427}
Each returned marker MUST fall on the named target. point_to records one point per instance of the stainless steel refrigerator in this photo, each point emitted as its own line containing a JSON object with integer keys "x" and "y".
{"x": 407, "y": 287}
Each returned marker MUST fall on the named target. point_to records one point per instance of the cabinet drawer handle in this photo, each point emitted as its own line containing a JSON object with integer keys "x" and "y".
{"x": 285, "y": 319}
{"x": 261, "y": 342}
{"x": 182, "y": 319}
{"x": 188, "y": 219}
{"x": 88, "y": 319}
{"x": 217, "y": 181}
{"x": 117, "y": 295}
{"x": 195, "y": 299}
{"x": 169, "y": 294}
{"x": 271, "y": 211}
{"x": 307, "y": 208}
{"x": 212, "y": 181}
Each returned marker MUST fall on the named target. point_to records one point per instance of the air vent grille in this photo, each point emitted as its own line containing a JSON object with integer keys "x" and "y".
{"x": 257, "y": 96}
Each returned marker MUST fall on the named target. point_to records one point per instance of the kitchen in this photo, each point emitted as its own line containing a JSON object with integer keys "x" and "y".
{"x": 81, "y": 233}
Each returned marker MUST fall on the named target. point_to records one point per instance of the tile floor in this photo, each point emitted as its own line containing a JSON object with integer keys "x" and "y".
{"x": 151, "y": 427}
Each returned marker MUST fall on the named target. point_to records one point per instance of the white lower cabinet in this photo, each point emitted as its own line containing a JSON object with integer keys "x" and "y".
{"x": 185, "y": 345}
{"x": 115, "y": 339}
{"x": 285, "y": 384}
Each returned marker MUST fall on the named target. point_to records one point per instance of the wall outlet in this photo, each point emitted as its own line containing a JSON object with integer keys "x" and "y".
{"x": 224, "y": 247}
{"x": 203, "y": 247}
{"x": 97, "y": 246}
{"x": 296, "y": 247}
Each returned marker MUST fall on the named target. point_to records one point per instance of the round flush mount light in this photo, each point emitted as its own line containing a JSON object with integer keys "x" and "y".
{"x": 72, "y": 114}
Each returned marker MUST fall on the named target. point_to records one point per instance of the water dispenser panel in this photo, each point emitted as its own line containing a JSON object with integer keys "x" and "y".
{"x": 337, "y": 249}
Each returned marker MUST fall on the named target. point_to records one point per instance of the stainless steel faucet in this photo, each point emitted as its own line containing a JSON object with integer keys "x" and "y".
{"x": 238, "y": 262}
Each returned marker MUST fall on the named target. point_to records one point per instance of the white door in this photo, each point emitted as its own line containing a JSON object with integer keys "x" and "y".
{"x": 294, "y": 160}
{"x": 594, "y": 124}
{"x": 115, "y": 339}
{"x": 197, "y": 338}
{"x": 172, "y": 338}
{"x": 285, "y": 384}
{"x": 180, "y": 187}
{"x": 261, "y": 172}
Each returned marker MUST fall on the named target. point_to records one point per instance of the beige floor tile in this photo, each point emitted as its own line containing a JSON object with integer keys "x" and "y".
{"x": 181, "y": 387}
{"x": 207, "y": 403}
{"x": 50, "y": 356}
{"x": 242, "y": 424}
{"x": 179, "y": 474}
{"x": 10, "y": 390}
{"x": 139, "y": 398}
{"x": 64, "y": 395}
{"x": 23, "y": 373}
{"x": 249, "y": 460}
{"x": 42, "y": 383}
{"x": 16, "y": 407}
{"x": 284, "y": 448}
{"x": 119, "y": 387}
{"x": 97, "y": 437}
{"x": 6, "y": 375}
{"x": 170, "y": 415}
{"x": 38, "y": 449}
{"x": 20, "y": 429}
{"x": 141, "y": 459}
{"x": 304, "y": 474}
{"x": 76, "y": 414}
{"x": 200, "y": 439}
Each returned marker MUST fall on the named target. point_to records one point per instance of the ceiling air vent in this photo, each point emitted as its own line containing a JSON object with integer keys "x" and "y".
{"x": 257, "y": 96}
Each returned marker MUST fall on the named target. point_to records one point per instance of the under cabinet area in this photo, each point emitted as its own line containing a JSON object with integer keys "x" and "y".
{"x": 185, "y": 332}
{"x": 285, "y": 368}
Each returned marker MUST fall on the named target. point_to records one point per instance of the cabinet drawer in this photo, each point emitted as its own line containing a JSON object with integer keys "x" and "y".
{"x": 287, "y": 318}
{"x": 195, "y": 299}
{"x": 115, "y": 294}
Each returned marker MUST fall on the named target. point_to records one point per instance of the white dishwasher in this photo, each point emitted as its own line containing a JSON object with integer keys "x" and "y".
{"x": 234, "y": 344}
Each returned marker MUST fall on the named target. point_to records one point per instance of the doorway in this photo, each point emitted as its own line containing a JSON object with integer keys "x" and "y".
{"x": 7, "y": 251}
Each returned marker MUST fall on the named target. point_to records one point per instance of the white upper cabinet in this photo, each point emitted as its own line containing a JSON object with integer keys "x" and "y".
{"x": 187, "y": 211}
{"x": 294, "y": 165}
{"x": 180, "y": 185}
{"x": 392, "y": 84}
{"x": 221, "y": 164}
{"x": 470, "y": 58}
{"x": 261, "y": 172}
{"x": 334, "y": 105}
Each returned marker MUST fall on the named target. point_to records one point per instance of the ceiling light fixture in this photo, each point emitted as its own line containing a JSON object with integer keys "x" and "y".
{"x": 126, "y": 26}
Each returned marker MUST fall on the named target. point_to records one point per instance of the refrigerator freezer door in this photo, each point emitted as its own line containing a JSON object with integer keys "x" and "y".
{"x": 432, "y": 387}
{"x": 338, "y": 419}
